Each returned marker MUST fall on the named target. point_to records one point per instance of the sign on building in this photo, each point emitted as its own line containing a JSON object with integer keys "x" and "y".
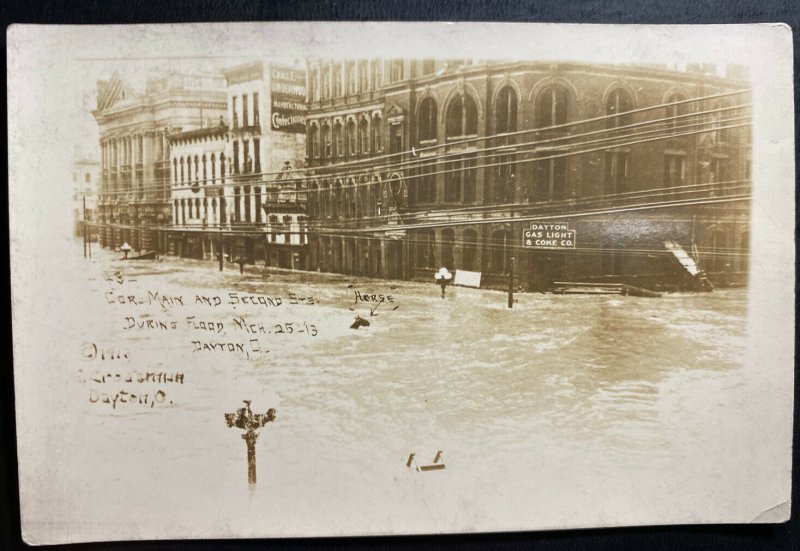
{"x": 288, "y": 100}
{"x": 548, "y": 235}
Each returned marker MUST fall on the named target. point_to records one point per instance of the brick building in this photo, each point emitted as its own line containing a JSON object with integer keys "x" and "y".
{"x": 461, "y": 157}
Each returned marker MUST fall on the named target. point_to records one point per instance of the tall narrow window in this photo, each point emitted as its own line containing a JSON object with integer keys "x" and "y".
{"x": 337, "y": 80}
{"x": 425, "y": 257}
{"x": 205, "y": 171}
{"x": 462, "y": 117}
{"x": 326, "y": 141}
{"x": 506, "y": 111}
{"x": 426, "y": 121}
{"x": 551, "y": 107}
{"x": 222, "y": 168}
{"x": 396, "y": 138}
{"x": 248, "y": 160}
{"x": 257, "y": 155}
{"x": 236, "y": 156}
{"x": 213, "y": 168}
{"x": 352, "y": 83}
{"x": 377, "y": 133}
{"x": 235, "y": 112}
{"x": 245, "y": 118}
{"x": 314, "y": 141}
{"x": 674, "y": 170}
{"x": 352, "y": 138}
{"x": 326, "y": 82}
{"x": 363, "y": 130}
{"x": 448, "y": 239}
{"x": 617, "y": 170}
{"x": 256, "y": 110}
{"x": 551, "y": 179}
{"x": 676, "y": 109}
{"x": 618, "y": 107}
{"x": 363, "y": 75}
{"x": 377, "y": 73}
{"x": 396, "y": 70}
{"x": 470, "y": 247}
{"x": 175, "y": 170}
{"x": 338, "y": 140}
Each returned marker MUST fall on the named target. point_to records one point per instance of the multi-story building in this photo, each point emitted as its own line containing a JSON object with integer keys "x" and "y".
{"x": 86, "y": 186}
{"x": 135, "y": 129}
{"x": 462, "y": 158}
{"x": 236, "y": 181}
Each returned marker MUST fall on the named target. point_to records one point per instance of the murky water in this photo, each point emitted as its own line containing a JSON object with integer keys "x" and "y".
{"x": 556, "y": 405}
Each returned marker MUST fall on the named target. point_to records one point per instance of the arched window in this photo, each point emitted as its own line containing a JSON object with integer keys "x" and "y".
{"x": 448, "y": 238}
{"x": 470, "y": 248}
{"x": 506, "y": 111}
{"x": 313, "y": 139}
{"x": 183, "y": 178}
{"x": 551, "y": 107}
{"x": 338, "y": 140}
{"x": 205, "y": 170}
{"x": 499, "y": 252}
{"x": 363, "y": 131}
{"x": 315, "y": 199}
{"x": 213, "y": 168}
{"x": 675, "y": 110}
{"x": 196, "y": 168}
{"x": 174, "y": 171}
{"x": 618, "y": 105}
{"x": 221, "y": 170}
{"x": 326, "y": 141}
{"x": 338, "y": 198}
{"x": 425, "y": 257}
{"x": 377, "y": 133}
{"x": 352, "y": 138}
{"x": 462, "y": 117}
{"x": 426, "y": 120}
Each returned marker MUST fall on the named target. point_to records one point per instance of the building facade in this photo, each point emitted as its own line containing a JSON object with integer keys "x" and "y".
{"x": 135, "y": 129}
{"x": 464, "y": 157}
{"x": 235, "y": 182}
{"x": 85, "y": 186}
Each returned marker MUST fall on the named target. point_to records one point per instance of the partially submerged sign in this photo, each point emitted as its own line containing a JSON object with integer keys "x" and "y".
{"x": 548, "y": 235}
{"x": 465, "y": 278}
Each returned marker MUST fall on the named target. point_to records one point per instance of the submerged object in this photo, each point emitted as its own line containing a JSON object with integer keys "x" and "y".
{"x": 359, "y": 322}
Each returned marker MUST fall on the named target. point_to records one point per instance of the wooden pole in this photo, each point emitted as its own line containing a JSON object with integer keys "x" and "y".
{"x": 250, "y": 439}
{"x": 85, "y": 228}
{"x": 511, "y": 282}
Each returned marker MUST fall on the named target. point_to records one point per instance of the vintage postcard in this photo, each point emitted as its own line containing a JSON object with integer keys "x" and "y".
{"x": 293, "y": 279}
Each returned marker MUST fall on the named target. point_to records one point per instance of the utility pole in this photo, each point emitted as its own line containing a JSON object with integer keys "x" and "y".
{"x": 85, "y": 227}
{"x": 245, "y": 419}
{"x": 511, "y": 282}
{"x": 221, "y": 247}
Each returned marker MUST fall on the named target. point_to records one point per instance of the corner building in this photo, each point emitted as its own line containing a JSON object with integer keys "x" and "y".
{"x": 135, "y": 132}
{"x": 630, "y": 157}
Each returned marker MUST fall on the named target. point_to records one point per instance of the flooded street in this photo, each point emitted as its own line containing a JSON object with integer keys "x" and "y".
{"x": 563, "y": 402}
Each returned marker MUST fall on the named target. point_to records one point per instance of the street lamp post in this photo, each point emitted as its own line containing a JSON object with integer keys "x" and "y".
{"x": 443, "y": 278}
{"x": 250, "y": 422}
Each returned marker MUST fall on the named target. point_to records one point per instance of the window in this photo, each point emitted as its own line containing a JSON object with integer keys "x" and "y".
{"x": 425, "y": 249}
{"x": 246, "y": 193}
{"x": 248, "y": 160}
{"x": 363, "y": 130}
{"x": 351, "y": 78}
{"x": 448, "y": 238}
{"x": 363, "y": 75}
{"x": 462, "y": 117}
{"x": 313, "y": 204}
{"x": 551, "y": 179}
{"x": 377, "y": 133}
{"x": 222, "y": 168}
{"x": 205, "y": 170}
{"x": 245, "y": 118}
{"x": 719, "y": 169}
{"x": 188, "y": 169}
{"x": 313, "y": 86}
{"x": 256, "y": 110}
{"x": 617, "y": 171}
{"x": 499, "y": 252}
{"x": 377, "y": 73}
{"x": 326, "y": 82}
{"x": 424, "y": 184}
{"x": 506, "y": 111}
{"x": 618, "y": 105}
{"x": 674, "y": 170}
{"x": 257, "y": 195}
{"x": 396, "y": 70}
{"x": 175, "y": 170}
{"x": 505, "y": 180}
{"x": 326, "y": 141}
{"x": 470, "y": 245}
{"x": 396, "y": 138}
{"x": 196, "y": 168}
{"x": 352, "y": 138}
{"x": 237, "y": 213}
{"x": 235, "y": 112}
{"x": 459, "y": 182}
{"x": 257, "y": 154}
{"x": 314, "y": 141}
{"x": 338, "y": 139}
{"x": 551, "y": 107}
{"x": 723, "y": 135}
{"x": 676, "y": 109}
{"x": 427, "y": 120}
{"x": 428, "y": 66}
{"x": 213, "y": 168}
{"x": 337, "y": 199}
{"x": 337, "y": 80}
{"x": 236, "y": 157}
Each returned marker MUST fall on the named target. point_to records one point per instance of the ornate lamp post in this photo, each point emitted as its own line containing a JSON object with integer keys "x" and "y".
{"x": 250, "y": 422}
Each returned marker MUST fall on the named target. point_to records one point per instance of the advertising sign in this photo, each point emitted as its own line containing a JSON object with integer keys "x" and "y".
{"x": 548, "y": 235}
{"x": 288, "y": 100}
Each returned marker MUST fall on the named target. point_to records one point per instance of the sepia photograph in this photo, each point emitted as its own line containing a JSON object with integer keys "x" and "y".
{"x": 335, "y": 279}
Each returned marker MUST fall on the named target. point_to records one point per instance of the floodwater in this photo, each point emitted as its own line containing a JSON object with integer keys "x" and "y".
{"x": 563, "y": 411}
